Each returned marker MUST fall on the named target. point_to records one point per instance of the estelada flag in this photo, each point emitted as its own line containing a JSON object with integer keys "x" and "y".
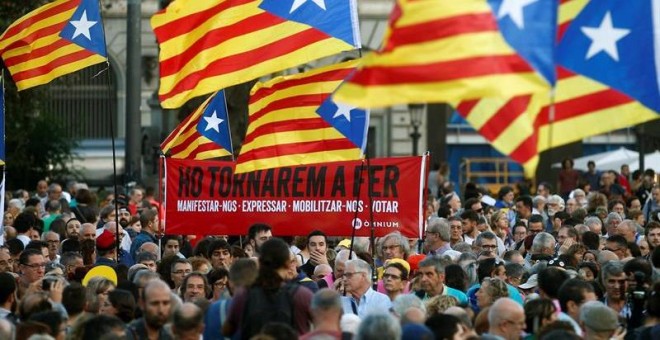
{"x": 204, "y": 134}
{"x": 207, "y": 45}
{"x": 56, "y": 39}
{"x": 524, "y": 126}
{"x": 447, "y": 51}
{"x": 294, "y": 120}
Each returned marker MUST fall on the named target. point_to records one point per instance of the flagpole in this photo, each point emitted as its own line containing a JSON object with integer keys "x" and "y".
{"x": 111, "y": 126}
{"x": 551, "y": 119}
{"x": 4, "y": 165}
{"x": 231, "y": 142}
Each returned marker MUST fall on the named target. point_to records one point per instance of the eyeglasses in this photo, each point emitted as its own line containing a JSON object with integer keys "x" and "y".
{"x": 391, "y": 276}
{"x": 349, "y": 275}
{"x": 219, "y": 284}
{"x": 36, "y": 265}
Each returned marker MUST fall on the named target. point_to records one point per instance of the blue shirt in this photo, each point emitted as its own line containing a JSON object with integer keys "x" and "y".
{"x": 513, "y": 294}
{"x": 215, "y": 317}
{"x": 142, "y": 238}
{"x": 460, "y": 296}
{"x": 369, "y": 303}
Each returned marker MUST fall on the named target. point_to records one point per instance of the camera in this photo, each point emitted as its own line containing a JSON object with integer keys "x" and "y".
{"x": 47, "y": 282}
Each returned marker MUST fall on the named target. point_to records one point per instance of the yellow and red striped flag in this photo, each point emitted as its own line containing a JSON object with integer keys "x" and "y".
{"x": 207, "y": 45}
{"x": 293, "y": 120}
{"x": 204, "y": 134}
{"x": 56, "y": 39}
{"x": 524, "y": 126}
{"x": 441, "y": 51}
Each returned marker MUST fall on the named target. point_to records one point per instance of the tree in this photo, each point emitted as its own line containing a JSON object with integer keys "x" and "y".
{"x": 36, "y": 144}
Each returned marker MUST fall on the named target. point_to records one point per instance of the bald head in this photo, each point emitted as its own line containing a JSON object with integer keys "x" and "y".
{"x": 149, "y": 247}
{"x": 187, "y": 321}
{"x": 506, "y": 318}
{"x": 87, "y": 231}
{"x": 155, "y": 285}
{"x": 413, "y": 315}
{"x": 605, "y": 256}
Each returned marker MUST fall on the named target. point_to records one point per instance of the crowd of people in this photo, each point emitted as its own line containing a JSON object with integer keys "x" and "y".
{"x": 579, "y": 264}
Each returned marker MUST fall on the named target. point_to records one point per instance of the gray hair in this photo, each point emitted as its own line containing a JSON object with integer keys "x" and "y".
{"x": 326, "y": 299}
{"x": 556, "y": 199}
{"x": 629, "y": 224}
{"x": 440, "y": 226}
{"x": 611, "y": 268}
{"x": 613, "y": 216}
{"x": 592, "y": 220}
{"x": 361, "y": 244}
{"x": 462, "y": 247}
{"x": 405, "y": 301}
{"x": 377, "y": 327}
{"x": 542, "y": 241}
{"x": 485, "y": 235}
{"x": 537, "y": 199}
{"x": 343, "y": 256}
{"x": 44, "y": 235}
{"x": 436, "y": 262}
{"x": 142, "y": 277}
{"x": 402, "y": 242}
{"x": 361, "y": 266}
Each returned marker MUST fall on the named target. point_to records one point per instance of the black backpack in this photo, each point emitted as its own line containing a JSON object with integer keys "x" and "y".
{"x": 262, "y": 307}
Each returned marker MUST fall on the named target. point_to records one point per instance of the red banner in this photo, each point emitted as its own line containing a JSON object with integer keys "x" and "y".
{"x": 207, "y": 198}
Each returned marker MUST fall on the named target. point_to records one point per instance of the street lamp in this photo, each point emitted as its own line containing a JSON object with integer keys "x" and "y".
{"x": 416, "y": 112}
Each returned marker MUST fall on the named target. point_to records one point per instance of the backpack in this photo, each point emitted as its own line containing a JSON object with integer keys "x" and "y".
{"x": 262, "y": 308}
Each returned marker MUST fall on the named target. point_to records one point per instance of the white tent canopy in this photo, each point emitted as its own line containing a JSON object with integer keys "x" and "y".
{"x": 610, "y": 160}
{"x": 651, "y": 161}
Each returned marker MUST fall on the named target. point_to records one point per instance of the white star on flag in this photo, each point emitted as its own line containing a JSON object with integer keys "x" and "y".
{"x": 213, "y": 122}
{"x": 297, "y": 3}
{"x": 514, "y": 9}
{"x": 82, "y": 26}
{"x": 343, "y": 110}
{"x": 604, "y": 38}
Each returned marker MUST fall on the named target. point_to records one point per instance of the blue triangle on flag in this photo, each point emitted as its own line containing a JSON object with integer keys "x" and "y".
{"x": 336, "y": 18}
{"x": 350, "y": 121}
{"x": 85, "y": 28}
{"x": 214, "y": 122}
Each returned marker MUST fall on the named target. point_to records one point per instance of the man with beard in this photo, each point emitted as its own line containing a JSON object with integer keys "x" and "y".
{"x": 73, "y": 229}
{"x": 257, "y": 235}
{"x": 7, "y": 297}
{"x": 156, "y": 303}
{"x": 470, "y": 231}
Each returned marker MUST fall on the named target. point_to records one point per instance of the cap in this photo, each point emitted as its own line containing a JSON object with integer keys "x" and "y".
{"x": 597, "y": 316}
{"x": 346, "y": 243}
{"x": 402, "y": 262}
{"x": 100, "y": 271}
{"x": 105, "y": 241}
{"x": 532, "y": 282}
